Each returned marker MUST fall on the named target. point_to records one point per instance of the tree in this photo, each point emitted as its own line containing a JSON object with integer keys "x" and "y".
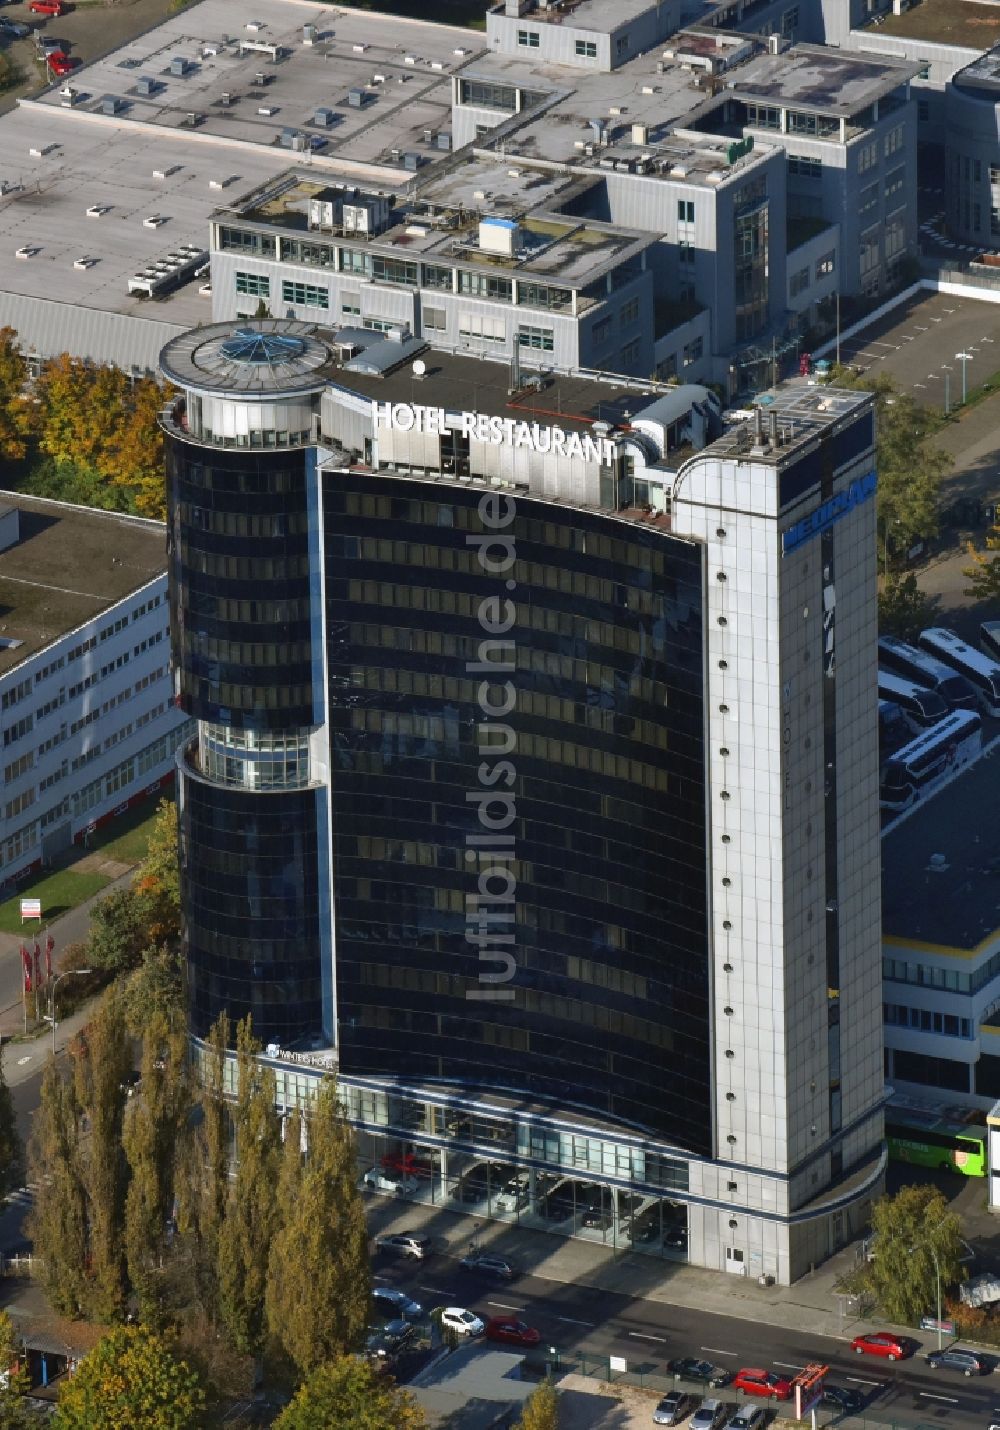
{"x": 13, "y": 415}
{"x": 909, "y": 1229}
{"x": 251, "y": 1218}
{"x": 14, "y": 1379}
{"x": 155, "y": 991}
{"x": 103, "y": 1065}
{"x": 156, "y": 1123}
{"x": 903, "y": 609}
{"x": 984, "y": 573}
{"x": 133, "y": 457}
{"x": 158, "y": 880}
{"x": 346, "y": 1394}
{"x": 131, "y": 1378}
{"x": 910, "y": 467}
{"x": 541, "y": 1409}
{"x": 203, "y": 1188}
{"x": 318, "y": 1283}
{"x": 57, "y": 1223}
{"x": 118, "y": 932}
{"x": 11, "y": 1151}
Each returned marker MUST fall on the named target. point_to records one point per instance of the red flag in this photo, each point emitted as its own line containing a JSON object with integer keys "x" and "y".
{"x": 38, "y": 963}
{"x": 50, "y": 944}
{"x": 26, "y": 960}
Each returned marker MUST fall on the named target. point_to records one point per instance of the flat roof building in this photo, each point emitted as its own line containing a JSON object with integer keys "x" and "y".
{"x": 548, "y": 740}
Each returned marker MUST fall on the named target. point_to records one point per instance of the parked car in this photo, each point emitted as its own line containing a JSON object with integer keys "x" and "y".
{"x": 598, "y": 1217}
{"x": 748, "y": 1417}
{"x": 753, "y": 1381}
{"x": 486, "y": 1265}
{"x": 881, "y": 1343}
{"x": 849, "y": 1402}
{"x": 676, "y": 1238}
{"x": 47, "y": 7}
{"x": 406, "y": 1242}
{"x": 514, "y": 1194}
{"x": 690, "y": 1368}
{"x": 14, "y": 30}
{"x": 955, "y": 1358}
{"x": 61, "y": 64}
{"x": 48, "y": 44}
{"x": 710, "y": 1415}
{"x": 462, "y": 1322}
{"x": 672, "y": 1408}
{"x": 396, "y": 1304}
{"x": 644, "y": 1229}
{"x": 511, "y": 1332}
{"x": 378, "y": 1181}
{"x": 406, "y": 1165}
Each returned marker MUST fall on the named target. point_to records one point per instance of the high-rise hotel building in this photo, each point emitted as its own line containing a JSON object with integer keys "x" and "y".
{"x": 535, "y": 781}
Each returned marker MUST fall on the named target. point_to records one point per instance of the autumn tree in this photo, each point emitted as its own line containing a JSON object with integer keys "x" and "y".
{"x": 909, "y": 1230}
{"x": 155, "y": 991}
{"x": 346, "y": 1394}
{"x": 57, "y": 1222}
{"x": 102, "y": 1067}
{"x": 903, "y": 609}
{"x": 541, "y": 1409}
{"x": 156, "y": 1124}
{"x": 318, "y": 1283}
{"x": 158, "y": 880}
{"x": 131, "y": 1378}
{"x": 14, "y": 1379}
{"x": 133, "y": 459}
{"x": 251, "y": 1217}
{"x": 118, "y": 932}
{"x": 11, "y": 1151}
{"x": 14, "y": 415}
{"x": 203, "y": 1187}
{"x": 984, "y": 573}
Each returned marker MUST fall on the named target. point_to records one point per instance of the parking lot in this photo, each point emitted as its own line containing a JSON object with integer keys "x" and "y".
{"x": 918, "y": 345}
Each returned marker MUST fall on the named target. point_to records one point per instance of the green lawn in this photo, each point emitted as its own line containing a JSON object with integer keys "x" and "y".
{"x": 127, "y": 837}
{"x": 58, "y": 892}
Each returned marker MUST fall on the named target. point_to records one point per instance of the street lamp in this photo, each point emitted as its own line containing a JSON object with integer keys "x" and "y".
{"x": 964, "y": 359}
{"x": 937, "y": 1271}
{"x": 52, "y": 998}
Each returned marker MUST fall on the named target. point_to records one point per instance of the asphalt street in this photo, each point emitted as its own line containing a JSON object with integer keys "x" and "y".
{"x": 583, "y": 1319}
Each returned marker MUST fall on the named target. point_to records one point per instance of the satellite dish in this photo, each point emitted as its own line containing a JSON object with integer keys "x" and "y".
{"x": 419, "y": 368}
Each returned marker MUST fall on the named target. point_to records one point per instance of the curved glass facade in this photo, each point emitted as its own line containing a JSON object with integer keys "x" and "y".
{"x": 239, "y": 585}
{"x": 597, "y": 874}
{"x": 254, "y": 759}
{"x": 251, "y": 908}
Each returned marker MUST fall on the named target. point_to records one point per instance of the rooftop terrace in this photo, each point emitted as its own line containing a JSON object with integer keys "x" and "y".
{"x": 955, "y": 904}
{"x": 947, "y": 22}
{"x": 809, "y": 77}
{"x": 69, "y": 564}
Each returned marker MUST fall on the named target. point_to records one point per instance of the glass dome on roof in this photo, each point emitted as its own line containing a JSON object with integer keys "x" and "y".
{"x": 250, "y": 345}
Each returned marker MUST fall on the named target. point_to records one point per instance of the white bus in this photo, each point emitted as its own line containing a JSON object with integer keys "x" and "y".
{"x": 926, "y": 670}
{"x": 982, "y": 673}
{"x": 921, "y": 707}
{"x": 989, "y": 639}
{"x": 920, "y": 766}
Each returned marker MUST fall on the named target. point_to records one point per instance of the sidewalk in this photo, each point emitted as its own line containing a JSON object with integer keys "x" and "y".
{"x": 810, "y": 1306}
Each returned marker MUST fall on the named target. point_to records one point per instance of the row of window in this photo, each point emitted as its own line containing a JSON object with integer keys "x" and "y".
{"x": 543, "y": 618}
{"x": 898, "y": 1015}
{"x": 394, "y": 679}
{"x": 799, "y": 281}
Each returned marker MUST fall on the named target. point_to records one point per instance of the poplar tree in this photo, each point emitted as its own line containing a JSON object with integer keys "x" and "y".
{"x": 319, "y": 1283}
{"x": 541, "y": 1409}
{"x": 251, "y": 1214}
{"x": 11, "y": 1151}
{"x": 347, "y": 1394}
{"x": 57, "y": 1222}
{"x": 156, "y": 1126}
{"x": 102, "y": 1068}
{"x": 203, "y": 1187}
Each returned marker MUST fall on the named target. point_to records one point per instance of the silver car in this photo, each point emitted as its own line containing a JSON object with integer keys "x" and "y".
{"x": 748, "y": 1417}
{"x": 710, "y": 1415}
{"x": 672, "y": 1408}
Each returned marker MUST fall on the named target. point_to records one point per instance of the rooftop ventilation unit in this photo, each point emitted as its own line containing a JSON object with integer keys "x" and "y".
{"x": 110, "y": 104}
{"x": 499, "y": 236}
{"x": 146, "y": 84}
{"x": 324, "y": 118}
{"x": 356, "y": 98}
{"x": 179, "y": 65}
{"x": 443, "y": 140}
{"x": 170, "y": 272}
{"x": 640, "y": 134}
{"x": 84, "y": 263}
{"x": 308, "y": 34}
{"x": 411, "y": 162}
{"x": 600, "y": 128}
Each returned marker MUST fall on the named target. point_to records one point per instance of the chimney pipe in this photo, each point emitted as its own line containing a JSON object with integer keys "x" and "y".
{"x": 758, "y": 426}
{"x": 774, "y": 428}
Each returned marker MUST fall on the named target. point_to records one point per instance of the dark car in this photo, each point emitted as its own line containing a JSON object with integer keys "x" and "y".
{"x": 676, "y": 1238}
{"x": 702, "y": 1371}
{"x": 672, "y": 1408}
{"x": 849, "y": 1402}
{"x": 597, "y": 1217}
{"x": 395, "y": 1304}
{"x": 643, "y": 1230}
{"x": 955, "y": 1358}
{"x": 485, "y": 1265}
{"x": 14, "y": 30}
{"x": 557, "y": 1206}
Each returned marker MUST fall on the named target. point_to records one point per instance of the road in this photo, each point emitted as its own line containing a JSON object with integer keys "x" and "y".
{"x": 583, "y": 1319}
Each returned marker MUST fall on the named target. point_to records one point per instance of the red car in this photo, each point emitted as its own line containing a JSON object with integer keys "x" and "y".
{"x": 763, "y": 1382}
{"x": 407, "y": 1165}
{"x": 880, "y": 1343}
{"x": 47, "y": 7}
{"x": 511, "y": 1332}
{"x": 61, "y": 64}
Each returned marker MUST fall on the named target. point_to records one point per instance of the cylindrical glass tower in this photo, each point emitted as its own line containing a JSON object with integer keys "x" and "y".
{"x": 246, "y": 631}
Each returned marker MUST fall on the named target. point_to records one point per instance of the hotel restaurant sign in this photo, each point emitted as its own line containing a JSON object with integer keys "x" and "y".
{"x": 496, "y": 431}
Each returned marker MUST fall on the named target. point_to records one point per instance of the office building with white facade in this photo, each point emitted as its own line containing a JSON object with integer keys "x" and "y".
{"x": 87, "y": 724}
{"x": 535, "y": 780}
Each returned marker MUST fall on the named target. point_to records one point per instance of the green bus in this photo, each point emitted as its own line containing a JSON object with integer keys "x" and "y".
{"x": 926, "y": 1141}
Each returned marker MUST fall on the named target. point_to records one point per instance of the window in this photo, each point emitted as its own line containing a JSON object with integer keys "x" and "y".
{"x": 540, "y": 295}
{"x": 487, "y": 96}
{"x": 394, "y": 270}
{"x": 630, "y": 353}
{"x": 19, "y": 804}
{"x": 790, "y": 21}
{"x": 435, "y": 320}
{"x": 893, "y": 140}
{"x": 621, "y": 45}
{"x": 601, "y": 331}
{"x": 826, "y": 265}
{"x": 895, "y": 182}
{"x": 381, "y": 325}
{"x": 685, "y": 251}
{"x": 763, "y": 116}
{"x": 352, "y": 262}
{"x": 923, "y": 110}
{"x": 483, "y": 328}
{"x": 685, "y": 211}
{"x": 869, "y": 250}
{"x": 15, "y": 693}
{"x": 867, "y": 156}
{"x": 629, "y": 312}
{"x": 485, "y": 285}
{"x": 350, "y": 305}
{"x": 18, "y": 730}
{"x": 238, "y": 240}
{"x": 306, "y": 294}
{"x": 253, "y": 284}
{"x": 586, "y": 49}
{"x": 798, "y": 282}
{"x": 895, "y": 234}
{"x": 805, "y": 167}
{"x": 868, "y": 199}
{"x": 432, "y": 276}
{"x": 539, "y": 339}
{"x": 19, "y": 767}
{"x": 693, "y": 352}
{"x": 528, "y": 39}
